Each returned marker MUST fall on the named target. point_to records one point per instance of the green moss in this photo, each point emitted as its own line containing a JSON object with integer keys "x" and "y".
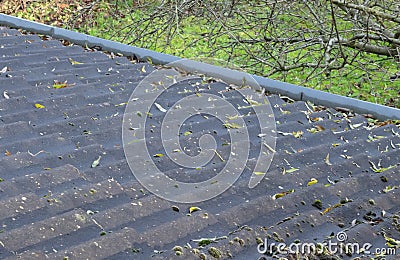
{"x": 214, "y": 252}
{"x": 177, "y": 249}
{"x": 317, "y": 204}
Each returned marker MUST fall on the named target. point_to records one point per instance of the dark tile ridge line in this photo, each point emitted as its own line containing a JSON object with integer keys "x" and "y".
{"x": 230, "y": 76}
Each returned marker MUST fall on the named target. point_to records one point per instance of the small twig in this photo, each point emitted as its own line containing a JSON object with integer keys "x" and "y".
{"x": 220, "y": 157}
{"x": 36, "y": 154}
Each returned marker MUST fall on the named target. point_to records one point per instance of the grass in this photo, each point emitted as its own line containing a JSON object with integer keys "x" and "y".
{"x": 366, "y": 79}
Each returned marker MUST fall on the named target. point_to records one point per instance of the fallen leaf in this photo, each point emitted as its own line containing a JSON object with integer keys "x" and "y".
{"x": 121, "y": 104}
{"x": 158, "y": 155}
{"x": 259, "y": 173}
{"x": 236, "y": 117}
{"x": 7, "y": 153}
{"x": 332, "y": 207}
{"x": 379, "y": 169}
{"x": 160, "y": 107}
{"x": 316, "y": 129}
{"x": 327, "y": 160}
{"x": 3, "y": 70}
{"x": 59, "y": 84}
{"x": 327, "y": 210}
{"x": 355, "y": 125}
{"x": 292, "y": 169}
{"x": 253, "y": 102}
{"x": 187, "y": 133}
{"x": 281, "y": 194}
{"x": 278, "y": 195}
{"x": 297, "y": 134}
{"x": 313, "y": 130}
{"x": 73, "y": 62}
{"x": 315, "y": 119}
{"x": 285, "y": 112}
{"x": 389, "y": 188}
{"x": 96, "y": 162}
{"x": 232, "y": 126}
{"x": 5, "y": 94}
{"x": 193, "y": 209}
{"x": 312, "y": 182}
{"x": 39, "y": 106}
{"x": 391, "y": 242}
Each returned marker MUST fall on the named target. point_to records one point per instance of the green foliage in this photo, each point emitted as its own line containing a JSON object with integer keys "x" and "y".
{"x": 192, "y": 34}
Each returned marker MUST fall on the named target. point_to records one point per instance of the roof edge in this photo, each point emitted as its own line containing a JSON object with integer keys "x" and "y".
{"x": 231, "y": 76}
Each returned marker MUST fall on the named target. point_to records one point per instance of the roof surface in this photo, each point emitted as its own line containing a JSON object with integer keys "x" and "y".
{"x": 62, "y": 107}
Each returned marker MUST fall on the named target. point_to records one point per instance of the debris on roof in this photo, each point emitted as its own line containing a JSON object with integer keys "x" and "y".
{"x": 66, "y": 190}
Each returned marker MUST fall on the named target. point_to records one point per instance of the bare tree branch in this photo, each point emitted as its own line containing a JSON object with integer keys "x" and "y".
{"x": 368, "y": 10}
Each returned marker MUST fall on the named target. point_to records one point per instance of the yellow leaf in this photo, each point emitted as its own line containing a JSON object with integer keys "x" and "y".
{"x": 259, "y": 173}
{"x": 391, "y": 242}
{"x": 39, "y": 106}
{"x": 121, "y": 104}
{"x": 312, "y": 182}
{"x": 312, "y": 130}
{"x": 253, "y": 102}
{"x": 327, "y": 210}
{"x": 232, "y": 117}
{"x": 193, "y": 209}
{"x": 73, "y": 62}
{"x": 158, "y": 155}
{"x": 144, "y": 69}
{"x": 298, "y": 134}
{"x": 278, "y": 195}
{"x": 292, "y": 169}
{"x": 232, "y": 126}
{"x": 281, "y": 194}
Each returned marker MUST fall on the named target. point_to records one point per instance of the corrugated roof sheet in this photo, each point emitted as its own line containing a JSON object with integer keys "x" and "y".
{"x": 54, "y": 204}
